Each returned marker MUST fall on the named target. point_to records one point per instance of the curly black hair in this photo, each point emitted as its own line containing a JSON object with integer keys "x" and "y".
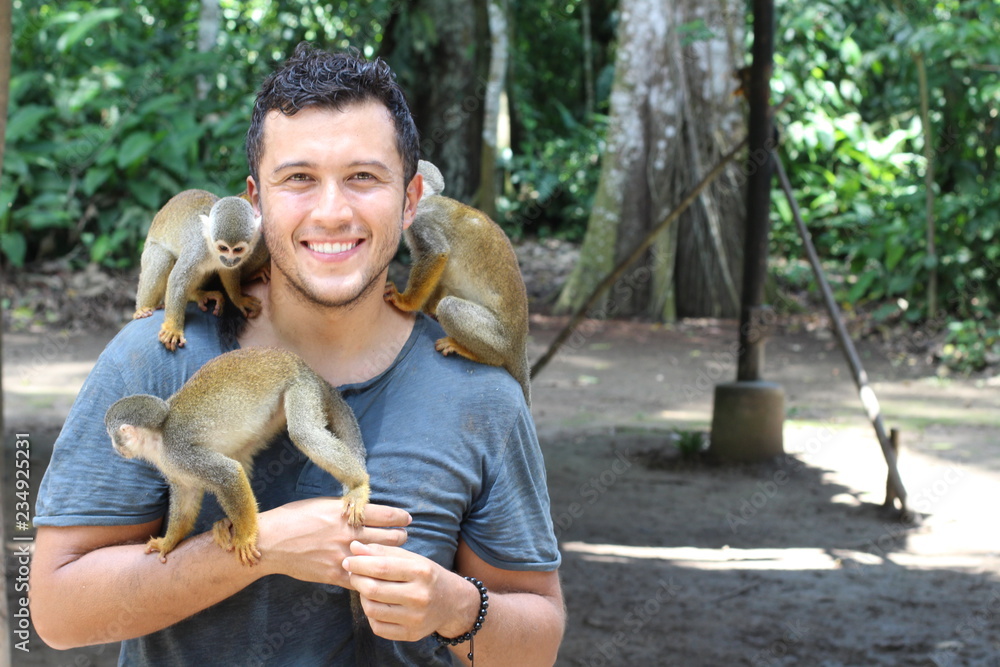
{"x": 312, "y": 77}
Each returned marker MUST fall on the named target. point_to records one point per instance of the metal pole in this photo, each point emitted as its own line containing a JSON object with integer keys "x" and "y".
{"x": 751, "y": 335}
{"x": 868, "y": 399}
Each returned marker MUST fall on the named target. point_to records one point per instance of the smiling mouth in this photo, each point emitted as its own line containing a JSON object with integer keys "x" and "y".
{"x": 331, "y": 248}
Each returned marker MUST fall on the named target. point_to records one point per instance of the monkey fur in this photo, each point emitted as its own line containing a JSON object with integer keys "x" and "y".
{"x": 194, "y": 236}
{"x": 205, "y": 436}
{"x": 465, "y": 274}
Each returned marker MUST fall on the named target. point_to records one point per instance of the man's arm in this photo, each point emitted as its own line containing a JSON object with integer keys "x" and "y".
{"x": 407, "y": 597}
{"x": 97, "y": 584}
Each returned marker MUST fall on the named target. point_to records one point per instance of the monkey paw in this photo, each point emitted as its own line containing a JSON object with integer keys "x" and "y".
{"x": 142, "y": 312}
{"x": 391, "y": 293}
{"x": 354, "y": 507}
{"x": 204, "y": 296}
{"x": 401, "y": 300}
{"x": 250, "y": 306}
{"x": 449, "y": 345}
{"x": 262, "y": 274}
{"x": 244, "y": 546}
{"x": 160, "y": 544}
{"x": 172, "y": 338}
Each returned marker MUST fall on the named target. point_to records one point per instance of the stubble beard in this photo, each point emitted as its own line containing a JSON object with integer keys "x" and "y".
{"x": 310, "y": 294}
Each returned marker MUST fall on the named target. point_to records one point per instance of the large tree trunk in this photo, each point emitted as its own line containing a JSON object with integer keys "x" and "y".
{"x": 673, "y": 114}
{"x": 208, "y": 33}
{"x": 499, "y": 46}
{"x": 445, "y": 82}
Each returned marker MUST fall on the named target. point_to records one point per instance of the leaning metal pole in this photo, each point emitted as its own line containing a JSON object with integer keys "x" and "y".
{"x": 868, "y": 399}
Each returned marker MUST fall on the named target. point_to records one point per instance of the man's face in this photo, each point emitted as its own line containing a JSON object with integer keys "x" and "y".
{"x": 333, "y": 200}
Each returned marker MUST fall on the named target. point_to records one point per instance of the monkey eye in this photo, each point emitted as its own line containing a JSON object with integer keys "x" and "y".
{"x": 239, "y": 250}
{"x": 223, "y": 247}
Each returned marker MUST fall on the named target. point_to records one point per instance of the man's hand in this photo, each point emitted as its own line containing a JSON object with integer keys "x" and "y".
{"x": 309, "y": 539}
{"x": 407, "y": 596}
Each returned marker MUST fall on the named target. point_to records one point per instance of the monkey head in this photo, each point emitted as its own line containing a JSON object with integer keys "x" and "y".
{"x": 232, "y": 230}
{"x": 433, "y": 180}
{"x": 135, "y": 425}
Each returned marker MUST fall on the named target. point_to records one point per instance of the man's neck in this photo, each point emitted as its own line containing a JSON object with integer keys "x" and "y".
{"x": 343, "y": 345}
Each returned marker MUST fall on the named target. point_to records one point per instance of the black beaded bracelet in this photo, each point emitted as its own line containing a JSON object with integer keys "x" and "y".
{"x": 484, "y": 605}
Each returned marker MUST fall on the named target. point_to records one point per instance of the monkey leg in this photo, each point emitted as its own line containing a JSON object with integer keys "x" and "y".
{"x": 185, "y": 502}
{"x": 185, "y": 278}
{"x": 425, "y": 275}
{"x": 237, "y": 500}
{"x": 308, "y": 412}
{"x": 225, "y": 478}
{"x": 156, "y": 264}
{"x": 474, "y": 332}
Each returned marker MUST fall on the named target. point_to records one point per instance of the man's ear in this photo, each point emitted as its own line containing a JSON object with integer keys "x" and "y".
{"x": 414, "y": 191}
{"x": 254, "y": 194}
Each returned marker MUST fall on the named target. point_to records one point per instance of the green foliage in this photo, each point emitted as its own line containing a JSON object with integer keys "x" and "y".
{"x": 689, "y": 443}
{"x": 972, "y": 344}
{"x": 855, "y": 149}
{"x": 554, "y": 165}
{"x": 553, "y": 186}
{"x": 113, "y": 110}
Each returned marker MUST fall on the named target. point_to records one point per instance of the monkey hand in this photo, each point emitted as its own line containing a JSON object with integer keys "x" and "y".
{"x": 399, "y": 299}
{"x": 142, "y": 312}
{"x": 262, "y": 274}
{"x": 245, "y": 546}
{"x": 391, "y": 294}
{"x": 250, "y": 306}
{"x": 172, "y": 337}
{"x": 204, "y": 296}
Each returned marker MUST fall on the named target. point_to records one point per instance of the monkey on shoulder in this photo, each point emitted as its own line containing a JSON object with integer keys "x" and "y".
{"x": 465, "y": 273}
{"x": 194, "y": 236}
{"x": 204, "y": 438}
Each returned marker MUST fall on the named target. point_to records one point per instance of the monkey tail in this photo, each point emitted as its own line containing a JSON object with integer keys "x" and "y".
{"x": 364, "y": 638}
{"x": 523, "y": 376}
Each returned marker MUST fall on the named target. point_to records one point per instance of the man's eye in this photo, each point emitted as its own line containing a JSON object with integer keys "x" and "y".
{"x": 364, "y": 176}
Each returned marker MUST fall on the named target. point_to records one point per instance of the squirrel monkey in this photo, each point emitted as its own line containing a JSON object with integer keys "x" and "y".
{"x": 465, "y": 274}
{"x": 205, "y": 436}
{"x": 195, "y": 235}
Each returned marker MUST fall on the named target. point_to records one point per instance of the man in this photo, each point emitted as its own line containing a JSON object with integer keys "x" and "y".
{"x": 458, "y": 486}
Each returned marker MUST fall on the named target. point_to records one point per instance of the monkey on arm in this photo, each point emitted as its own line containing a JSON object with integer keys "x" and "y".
{"x": 257, "y": 392}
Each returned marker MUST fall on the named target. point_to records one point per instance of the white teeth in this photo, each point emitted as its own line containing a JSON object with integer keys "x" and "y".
{"x": 331, "y": 248}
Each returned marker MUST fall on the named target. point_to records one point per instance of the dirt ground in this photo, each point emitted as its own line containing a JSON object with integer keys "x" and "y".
{"x": 695, "y": 563}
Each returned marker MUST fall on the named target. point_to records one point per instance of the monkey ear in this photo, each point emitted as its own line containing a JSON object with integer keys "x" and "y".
{"x": 127, "y": 434}
{"x": 206, "y": 229}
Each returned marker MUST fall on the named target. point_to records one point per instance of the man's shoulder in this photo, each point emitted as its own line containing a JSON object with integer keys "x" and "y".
{"x": 467, "y": 381}
{"x": 137, "y": 350}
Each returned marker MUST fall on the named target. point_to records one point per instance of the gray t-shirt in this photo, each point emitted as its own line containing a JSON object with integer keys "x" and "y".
{"x": 450, "y": 441}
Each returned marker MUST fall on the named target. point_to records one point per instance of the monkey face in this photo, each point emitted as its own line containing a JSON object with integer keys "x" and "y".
{"x": 231, "y": 256}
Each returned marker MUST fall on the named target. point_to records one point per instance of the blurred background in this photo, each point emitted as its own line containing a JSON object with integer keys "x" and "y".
{"x": 577, "y": 124}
